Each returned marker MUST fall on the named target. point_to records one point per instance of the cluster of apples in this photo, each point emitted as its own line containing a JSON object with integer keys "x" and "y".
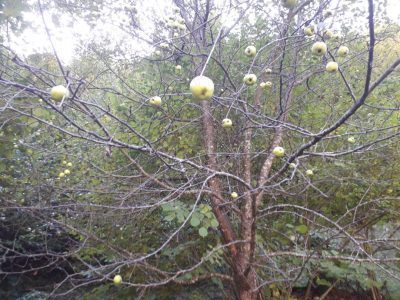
{"x": 66, "y": 172}
{"x": 279, "y": 151}
{"x": 320, "y": 49}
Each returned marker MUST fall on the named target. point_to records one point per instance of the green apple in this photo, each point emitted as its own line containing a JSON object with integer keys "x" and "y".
{"x": 61, "y": 175}
{"x": 67, "y": 172}
{"x": 351, "y": 140}
{"x": 234, "y": 195}
{"x": 309, "y": 172}
{"x": 250, "y": 79}
{"x": 69, "y": 164}
{"x": 332, "y": 67}
{"x": 309, "y": 31}
{"x": 278, "y": 151}
{"x": 343, "y": 51}
{"x": 289, "y": 3}
{"x": 155, "y": 101}
{"x": 178, "y": 67}
{"x": 117, "y": 279}
{"x": 226, "y": 123}
{"x": 292, "y": 165}
{"x": 268, "y": 71}
{"x": 202, "y": 88}
{"x": 319, "y": 48}
{"x": 157, "y": 52}
{"x": 58, "y": 93}
{"x": 250, "y": 51}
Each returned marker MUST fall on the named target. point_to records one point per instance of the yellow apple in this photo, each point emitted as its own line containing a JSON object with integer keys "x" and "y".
{"x": 268, "y": 71}
{"x": 343, "y": 51}
{"x": 289, "y": 3}
{"x": 234, "y": 195}
{"x": 58, "y": 93}
{"x": 319, "y": 48}
{"x": 155, "y": 101}
{"x": 61, "y": 175}
{"x": 69, "y": 164}
{"x": 117, "y": 279}
{"x": 226, "y": 123}
{"x": 309, "y": 31}
{"x": 64, "y": 162}
{"x": 292, "y": 165}
{"x": 309, "y": 172}
{"x": 67, "y": 172}
{"x": 278, "y": 151}
{"x": 202, "y": 88}
{"x": 351, "y": 140}
{"x": 178, "y": 67}
{"x": 250, "y": 79}
{"x": 157, "y": 52}
{"x": 332, "y": 67}
{"x": 250, "y": 51}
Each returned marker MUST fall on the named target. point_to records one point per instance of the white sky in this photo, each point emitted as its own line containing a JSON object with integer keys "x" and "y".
{"x": 71, "y": 34}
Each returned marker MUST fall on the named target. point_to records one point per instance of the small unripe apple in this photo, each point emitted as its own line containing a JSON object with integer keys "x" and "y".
{"x": 176, "y": 34}
{"x": 319, "y": 48}
{"x": 292, "y": 165}
{"x": 351, "y": 140}
{"x": 178, "y": 67}
{"x": 64, "y": 162}
{"x": 155, "y": 101}
{"x": 332, "y": 67}
{"x": 67, "y": 172}
{"x": 278, "y": 151}
{"x": 202, "y": 88}
{"x": 61, "y": 175}
{"x": 69, "y": 164}
{"x": 250, "y": 51}
{"x": 309, "y": 172}
{"x": 268, "y": 84}
{"x": 309, "y": 31}
{"x": 343, "y": 51}
{"x": 234, "y": 195}
{"x": 164, "y": 46}
{"x": 117, "y": 279}
{"x": 289, "y": 3}
{"x": 157, "y": 52}
{"x": 226, "y": 123}
{"x": 268, "y": 71}
{"x": 250, "y": 79}
{"x": 58, "y": 93}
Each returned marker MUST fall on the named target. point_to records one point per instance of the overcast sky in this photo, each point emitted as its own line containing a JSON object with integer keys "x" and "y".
{"x": 71, "y": 34}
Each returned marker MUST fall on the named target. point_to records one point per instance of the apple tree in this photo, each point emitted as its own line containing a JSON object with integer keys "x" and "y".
{"x": 248, "y": 144}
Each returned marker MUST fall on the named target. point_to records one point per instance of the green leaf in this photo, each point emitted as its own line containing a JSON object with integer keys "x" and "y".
{"x": 203, "y": 232}
{"x": 170, "y": 217}
{"x": 214, "y": 223}
{"x": 302, "y": 229}
{"x": 194, "y": 221}
{"x": 323, "y": 282}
